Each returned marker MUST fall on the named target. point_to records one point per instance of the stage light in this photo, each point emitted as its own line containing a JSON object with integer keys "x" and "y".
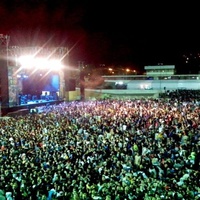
{"x": 40, "y": 63}
{"x": 22, "y": 76}
{"x": 55, "y": 64}
{"x": 26, "y": 61}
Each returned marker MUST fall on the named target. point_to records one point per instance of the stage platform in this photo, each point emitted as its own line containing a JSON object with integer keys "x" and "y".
{"x": 25, "y": 108}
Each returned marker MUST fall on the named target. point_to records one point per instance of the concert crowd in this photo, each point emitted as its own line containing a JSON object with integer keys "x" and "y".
{"x": 103, "y": 149}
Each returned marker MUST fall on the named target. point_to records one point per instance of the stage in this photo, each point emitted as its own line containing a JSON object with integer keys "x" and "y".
{"x": 23, "y": 109}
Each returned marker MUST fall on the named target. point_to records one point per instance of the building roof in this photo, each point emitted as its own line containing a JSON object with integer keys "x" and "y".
{"x": 160, "y": 67}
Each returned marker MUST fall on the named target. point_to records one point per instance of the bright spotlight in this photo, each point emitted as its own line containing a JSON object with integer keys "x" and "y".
{"x": 40, "y": 63}
{"x": 26, "y": 61}
{"x": 55, "y": 64}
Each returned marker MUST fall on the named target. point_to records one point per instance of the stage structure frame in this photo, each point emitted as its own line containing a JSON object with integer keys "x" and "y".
{"x": 10, "y": 68}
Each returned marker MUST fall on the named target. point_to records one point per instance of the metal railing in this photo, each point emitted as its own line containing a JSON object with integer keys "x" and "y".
{"x": 159, "y": 77}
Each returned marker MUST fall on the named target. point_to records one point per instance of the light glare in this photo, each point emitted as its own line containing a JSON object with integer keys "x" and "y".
{"x": 40, "y": 63}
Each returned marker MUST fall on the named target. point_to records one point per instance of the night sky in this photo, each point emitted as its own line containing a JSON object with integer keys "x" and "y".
{"x": 106, "y": 32}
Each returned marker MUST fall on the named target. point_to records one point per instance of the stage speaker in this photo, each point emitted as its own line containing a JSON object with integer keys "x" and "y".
{"x": 70, "y": 85}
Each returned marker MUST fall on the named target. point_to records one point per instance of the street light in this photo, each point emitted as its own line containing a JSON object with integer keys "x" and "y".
{"x": 110, "y": 70}
{"x": 127, "y": 71}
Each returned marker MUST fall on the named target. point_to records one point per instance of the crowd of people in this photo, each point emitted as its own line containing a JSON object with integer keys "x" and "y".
{"x": 104, "y": 150}
{"x": 187, "y": 95}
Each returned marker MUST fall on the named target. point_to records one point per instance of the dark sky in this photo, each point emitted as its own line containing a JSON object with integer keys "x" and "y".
{"x": 105, "y": 32}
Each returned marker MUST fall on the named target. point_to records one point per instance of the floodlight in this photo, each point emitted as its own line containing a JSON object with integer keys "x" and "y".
{"x": 40, "y": 63}
{"x": 26, "y": 61}
{"x": 55, "y": 64}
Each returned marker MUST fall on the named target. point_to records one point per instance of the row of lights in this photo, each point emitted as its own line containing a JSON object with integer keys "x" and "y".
{"x": 39, "y": 63}
{"x": 126, "y": 70}
{"x": 33, "y": 63}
